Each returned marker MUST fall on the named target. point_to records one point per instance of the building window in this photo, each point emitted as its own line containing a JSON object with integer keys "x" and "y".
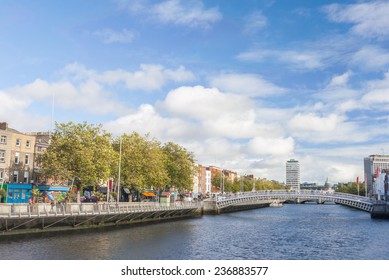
{"x": 28, "y": 144}
{"x": 17, "y": 156}
{"x": 17, "y": 142}
{"x": 3, "y": 139}
{"x": 27, "y": 159}
{"x": 1, "y": 175}
{"x": 16, "y": 176}
{"x": 2, "y": 156}
{"x": 25, "y": 177}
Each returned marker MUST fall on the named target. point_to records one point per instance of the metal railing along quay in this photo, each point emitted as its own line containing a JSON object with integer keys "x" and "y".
{"x": 77, "y": 209}
{"x": 44, "y": 215}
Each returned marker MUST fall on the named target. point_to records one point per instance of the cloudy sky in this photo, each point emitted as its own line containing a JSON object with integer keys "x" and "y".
{"x": 245, "y": 85}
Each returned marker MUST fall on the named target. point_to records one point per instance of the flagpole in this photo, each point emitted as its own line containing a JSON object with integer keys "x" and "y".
{"x": 358, "y": 185}
{"x": 52, "y": 115}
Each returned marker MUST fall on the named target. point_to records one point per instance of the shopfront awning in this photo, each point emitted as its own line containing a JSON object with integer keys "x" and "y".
{"x": 148, "y": 194}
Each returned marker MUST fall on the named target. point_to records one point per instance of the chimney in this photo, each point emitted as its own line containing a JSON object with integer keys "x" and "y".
{"x": 3, "y": 125}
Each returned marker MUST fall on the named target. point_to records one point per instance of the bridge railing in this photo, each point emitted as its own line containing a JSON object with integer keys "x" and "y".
{"x": 74, "y": 209}
{"x": 303, "y": 193}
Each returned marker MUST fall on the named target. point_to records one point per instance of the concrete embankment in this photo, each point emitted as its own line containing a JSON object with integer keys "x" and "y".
{"x": 210, "y": 207}
{"x": 380, "y": 211}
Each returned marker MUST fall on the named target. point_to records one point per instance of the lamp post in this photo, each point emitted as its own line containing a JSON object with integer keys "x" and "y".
{"x": 120, "y": 163}
{"x": 222, "y": 182}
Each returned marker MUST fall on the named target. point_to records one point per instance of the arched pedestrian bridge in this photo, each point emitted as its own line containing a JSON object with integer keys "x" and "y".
{"x": 256, "y": 199}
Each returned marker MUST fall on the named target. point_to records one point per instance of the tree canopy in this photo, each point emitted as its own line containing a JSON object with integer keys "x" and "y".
{"x": 142, "y": 161}
{"x": 89, "y": 154}
{"x": 243, "y": 184}
{"x": 179, "y": 164}
{"x": 81, "y": 151}
{"x": 351, "y": 188}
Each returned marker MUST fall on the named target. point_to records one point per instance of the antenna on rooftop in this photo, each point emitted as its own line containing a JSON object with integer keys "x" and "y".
{"x": 52, "y": 116}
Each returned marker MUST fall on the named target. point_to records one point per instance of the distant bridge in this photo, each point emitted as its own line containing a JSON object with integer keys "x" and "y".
{"x": 231, "y": 202}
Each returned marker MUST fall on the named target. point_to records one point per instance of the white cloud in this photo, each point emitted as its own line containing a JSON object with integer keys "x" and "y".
{"x": 370, "y": 58}
{"x": 306, "y": 59}
{"x": 246, "y": 84}
{"x": 314, "y": 123}
{"x": 340, "y": 80}
{"x": 370, "y": 19}
{"x": 191, "y": 13}
{"x": 376, "y": 95}
{"x": 89, "y": 96}
{"x": 330, "y": 166}
{"x": 187, "y": 13}
{"x": 220, "y": 114}
{"x": 333, "y": 128}
{"x": 11, "y": 102}
{"x": 110, "y": 36}
{"x": 147, "y": 120}
{"x": 148, "y": 77}
{"x": 271, "y": 146}
{"x": 221, "y": 129}
{"x": 204, "y": 103}
{"x": 255, "y": 22}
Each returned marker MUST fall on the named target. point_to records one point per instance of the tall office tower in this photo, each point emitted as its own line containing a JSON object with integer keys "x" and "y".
{"x": 373, "y": 166}
{"x": 293, "y": 174}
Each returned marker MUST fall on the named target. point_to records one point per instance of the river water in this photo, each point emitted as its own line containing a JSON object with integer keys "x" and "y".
{"x": 293, "y": 232}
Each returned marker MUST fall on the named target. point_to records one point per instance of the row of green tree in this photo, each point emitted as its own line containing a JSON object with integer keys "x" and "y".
{"x": 243, "y": 184}
{"x": 352, "y": 188}
{"x": 88, "y": 155}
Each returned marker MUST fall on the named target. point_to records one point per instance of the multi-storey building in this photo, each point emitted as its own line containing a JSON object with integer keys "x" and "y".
{"x": 215, "y": 170}
{"x": 5, "y": 151}
{"x": 293, "y": 174}
{"x": 42, "y": 142}
{"x": 16, "y": 155}
{"x": 208, "y": 179}
{"x": 202, "y": 179}
{"x": 374, "y": 165}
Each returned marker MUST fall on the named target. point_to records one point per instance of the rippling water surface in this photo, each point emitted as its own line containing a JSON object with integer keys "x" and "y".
{"x": 301, "y": 232}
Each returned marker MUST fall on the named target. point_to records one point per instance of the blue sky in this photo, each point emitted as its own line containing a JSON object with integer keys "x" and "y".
{"x": 245, "y": 85}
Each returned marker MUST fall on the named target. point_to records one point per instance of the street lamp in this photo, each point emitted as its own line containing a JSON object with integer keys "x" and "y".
{"x": 120, "y": 163}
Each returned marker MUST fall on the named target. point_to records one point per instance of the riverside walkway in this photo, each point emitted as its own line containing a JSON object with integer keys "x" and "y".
{"x": 23, "y": 218}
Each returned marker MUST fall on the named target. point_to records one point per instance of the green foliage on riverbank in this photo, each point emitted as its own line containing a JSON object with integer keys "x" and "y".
{"x": 244, "y": 184}
{"x": 88, "y": 155}
{"x": 351, "y": 188}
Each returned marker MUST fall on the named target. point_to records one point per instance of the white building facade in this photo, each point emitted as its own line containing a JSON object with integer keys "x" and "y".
{"x": 374, "y": 166}
{"x": 293, "y": 174}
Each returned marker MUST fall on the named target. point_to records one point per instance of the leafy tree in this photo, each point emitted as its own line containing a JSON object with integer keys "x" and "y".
{"x": 232, "y": 186}
{"x": 36, "y": 194}
{"x": 142, "y": 161}
{"x": 263, "y": 184}
{"x": 81, "y": 151}
{"x": 3, "y": 193}
{"x": 179, "y": 164}
{"x": 216, "y": 181}
{"x": 351, "y": 188}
